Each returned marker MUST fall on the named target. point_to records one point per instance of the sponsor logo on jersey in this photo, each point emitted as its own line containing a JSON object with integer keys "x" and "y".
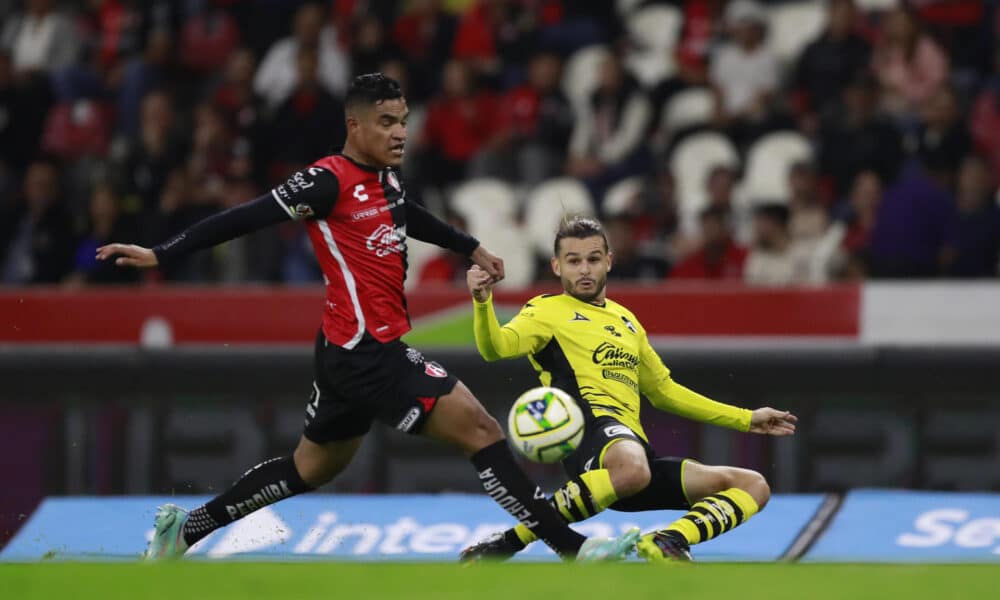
{"x": 614, "y": 430}
{"x": 611, "y": 329}
{"x": 409, "y": 420}
{"x": 619, "y": 377}
{"x": 360, "y": 215}
{"x": 385, "y": 240}
{"x": 427, "y": 402}
{"x": 610, "y": 355}
{"x": 578, "y": 317}
{"x": 434, "y": 370}
{"x": 414, "y": 356}
{"x": 302, "y": 211}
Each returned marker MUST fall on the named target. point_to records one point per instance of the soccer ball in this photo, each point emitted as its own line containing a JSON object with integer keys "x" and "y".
{"x": 545, "y": 424}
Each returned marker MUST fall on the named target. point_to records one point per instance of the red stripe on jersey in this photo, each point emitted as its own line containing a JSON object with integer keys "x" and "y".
{"x": 361, "y": 249}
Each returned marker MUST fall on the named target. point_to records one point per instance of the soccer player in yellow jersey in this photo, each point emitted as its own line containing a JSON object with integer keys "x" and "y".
{"x": 597, "y": 350}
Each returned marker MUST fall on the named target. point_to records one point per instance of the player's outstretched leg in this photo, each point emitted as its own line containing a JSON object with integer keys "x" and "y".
{"x": 311, "y": 466}
{"x": 724, "y": 498}
{"x": 459, "y": 419}
{"x": 623, "y": 472}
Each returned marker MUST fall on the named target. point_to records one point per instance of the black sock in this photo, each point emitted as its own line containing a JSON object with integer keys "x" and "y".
{"x": 265, "y": 484}
{"x": 509, "y": 487}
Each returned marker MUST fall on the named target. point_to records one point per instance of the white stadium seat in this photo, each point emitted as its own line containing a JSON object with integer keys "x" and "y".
{"x": 690, "y": 163}
{"x": 581, "y": 72}
{"x": 654, "y": 31}
{"x": 687, "y": 108}
{"x": 768, "y": 161}
{"x": 626, "y": 6}
{"x": 793, "y": 25}
{"x": 620, "y": 197}
{"x": 417, "y": 255}
{"x": 876, "y": 5}
{"x": 513, "y": 244}
{"x": 546, "y": 206}
{"x": 485, "y": 201}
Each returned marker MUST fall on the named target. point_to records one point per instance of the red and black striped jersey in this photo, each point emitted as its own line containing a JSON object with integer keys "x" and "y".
{"x": 357, "y": 218}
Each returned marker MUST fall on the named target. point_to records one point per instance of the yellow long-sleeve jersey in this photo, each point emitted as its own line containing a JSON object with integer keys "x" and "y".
{"x": 600, "y": 355}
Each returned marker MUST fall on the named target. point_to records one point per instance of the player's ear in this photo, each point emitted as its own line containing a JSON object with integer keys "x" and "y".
{"x": 611, "y": 259}
{"x": 555, "y": 266}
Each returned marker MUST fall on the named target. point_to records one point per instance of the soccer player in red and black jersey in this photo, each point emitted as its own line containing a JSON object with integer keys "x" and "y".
{"x": 355, "y": 208}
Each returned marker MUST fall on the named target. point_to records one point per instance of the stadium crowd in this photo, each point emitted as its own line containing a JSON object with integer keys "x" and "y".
{"x": 776, "y": 143}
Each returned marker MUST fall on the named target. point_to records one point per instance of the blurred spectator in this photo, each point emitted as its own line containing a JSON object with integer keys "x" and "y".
{"x": 718, "y": 257}
{"x": 808, "y": 218}
{"x": 23, "y": 108}
{"x": 495, "y": 36}
{"x": 858, "y": 138}
{"x": 628, "y": 261}
{"x": 446, "y": 266}
{"x": 157, "y": 149}
{"x": 829, "y": 63}
{"x": 459, "y": 122}
{"x": 182, "y": 204}
{"x": 984, "y": 122}
{"x": 370, "y": 46}
{"x": 211, "y": 147}
{"x": 425, "y": 34}
{"x": 774, "y": 258}
{"x": 141, "y": 75}
{"x": 943, "y": 138}
{"x": 535, "y": 124}
{"x": 106, "y": 225}
{"x": 910, "y": 226}
{"x": 568, "y": 25}
{"x": 207, "y": 38}
{"x": 972, "y": 237}
{"x": 40, "y": 39}
{"x": 745, "y": 72}
{"x": 963, "y": 27}
{"x": 857, "y": 217}
{"x": 277, "y": 75}
{"x": 36, "y": 237}
{"x": 310, "y": 123}
{"x": 607, "y": 142}
{"x": 909, "y": 64}
{"x": 244, "y": 111}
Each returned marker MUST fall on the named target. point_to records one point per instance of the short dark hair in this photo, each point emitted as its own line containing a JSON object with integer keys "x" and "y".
{"x": 775, "y": 211}
{"x": 372, "y": 88}
{"x": 579, "y": 227}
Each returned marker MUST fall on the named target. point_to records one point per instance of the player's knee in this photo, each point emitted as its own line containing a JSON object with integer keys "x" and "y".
{"x": 315, "y": 470}
{"x": 481, "y": 430}
{"x": 630, "y": 477}
{"x": 754, "y": 484}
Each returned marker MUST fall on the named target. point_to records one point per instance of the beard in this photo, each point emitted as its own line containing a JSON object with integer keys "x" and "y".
{"x": 599, "y": 284}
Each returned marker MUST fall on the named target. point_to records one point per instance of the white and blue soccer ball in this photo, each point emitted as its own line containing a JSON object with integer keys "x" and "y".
{"x": 545, "y": 424}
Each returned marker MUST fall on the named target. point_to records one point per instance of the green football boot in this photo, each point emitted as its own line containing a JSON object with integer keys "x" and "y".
{"x": 168, "y": 538}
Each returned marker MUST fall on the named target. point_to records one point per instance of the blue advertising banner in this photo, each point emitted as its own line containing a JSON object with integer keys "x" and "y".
{"x": 403, "y": 528}
{"x": 905, "y": 526}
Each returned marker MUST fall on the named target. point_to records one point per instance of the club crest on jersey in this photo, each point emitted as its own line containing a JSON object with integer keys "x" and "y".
{"x": 434, "y": 370}
{"x": 302, "y": 211}
{"x": 393, "y": 181}
{"x": 629, "y": 324}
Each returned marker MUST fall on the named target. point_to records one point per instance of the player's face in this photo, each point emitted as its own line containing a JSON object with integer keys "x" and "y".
{"x": 381, "y": 132}
{"x": 582, "y": 267}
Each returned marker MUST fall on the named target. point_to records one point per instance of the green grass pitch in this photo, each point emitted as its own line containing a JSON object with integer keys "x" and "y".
{"x": 630, "y": 581}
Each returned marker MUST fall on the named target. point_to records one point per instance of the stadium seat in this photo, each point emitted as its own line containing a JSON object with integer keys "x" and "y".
{"x": 512, "y": 243}
{"x": 548, "y": 204}
{"x": 625, "y": 7}
{"x": 619, "y": 197}
{"x": 876, "y": 5}
{"x": 485, "y": 201}
{"x": 581, "y": 72}
{"x": 793, "y": 25}
{"x": 690, "y": 163}
{"x": 654, "y": 31}
{"x": 768, "y": 161}
{"x": 685, "y": 109}
{"x": 417, "y": 255}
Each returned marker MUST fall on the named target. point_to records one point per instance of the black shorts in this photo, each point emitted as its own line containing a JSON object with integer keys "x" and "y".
{"x": 665, "y": 489}
{"x": 390, "y": 382}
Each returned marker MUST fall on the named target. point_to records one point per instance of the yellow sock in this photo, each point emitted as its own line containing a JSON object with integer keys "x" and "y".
{"x": 714, "y": 515}
{"x": 581, "y": 498}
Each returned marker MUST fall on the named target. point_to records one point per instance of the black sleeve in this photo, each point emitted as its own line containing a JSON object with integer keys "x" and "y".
{"x": 307, "y": 194}
{"x": 422, "y": 225}
{"x": 222, "y": 227}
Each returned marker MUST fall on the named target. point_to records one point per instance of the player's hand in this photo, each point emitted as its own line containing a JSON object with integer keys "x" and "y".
{"x": 129, "y": 255}
{"x": 480, "y": 283}
{"x": 769, "y": 421}
{"x": 493, "y": 265}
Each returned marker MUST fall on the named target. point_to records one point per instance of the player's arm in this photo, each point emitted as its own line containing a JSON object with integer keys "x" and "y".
{"x": 307, "y": 194}
{"x": 666, "y": 394}
{"x": 424, "y": 226}
{"x": 523, "y": 335}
